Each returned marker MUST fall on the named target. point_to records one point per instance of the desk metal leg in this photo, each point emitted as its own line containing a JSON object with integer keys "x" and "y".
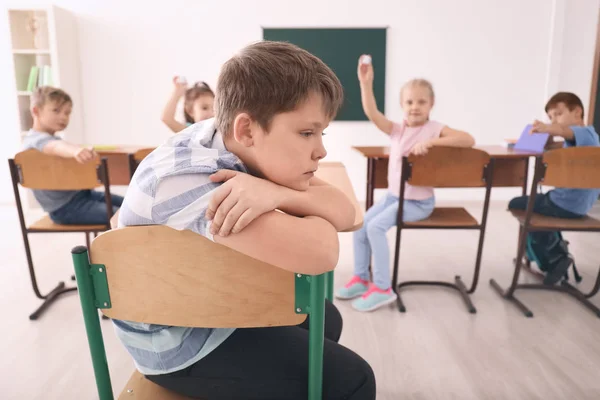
{"x": 370, "y": 182}
{"x": 526, "y": 176}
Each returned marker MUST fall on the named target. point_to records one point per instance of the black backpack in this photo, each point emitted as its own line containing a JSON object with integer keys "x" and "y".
{"x": 548, "y": 250}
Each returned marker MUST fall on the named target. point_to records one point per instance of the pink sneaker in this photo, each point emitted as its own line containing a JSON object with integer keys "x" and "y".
{"x": 356, "y": 287}
{"x": 374, "y": 298}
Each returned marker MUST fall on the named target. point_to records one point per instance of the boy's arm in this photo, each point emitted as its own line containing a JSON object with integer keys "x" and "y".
{"x": 448, "y": 137}
{"x": 304, "y": 245}
{"x": 321, "y": 200}
{"x": 65, "y": 149}
{"x": 554, "y": 130}
{"x": 242, "y": 198}
{"x": 365, "y": 77}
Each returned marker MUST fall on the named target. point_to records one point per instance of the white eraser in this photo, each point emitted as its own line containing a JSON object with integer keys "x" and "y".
{"x": 181, "y": 79}
{"x": 365, "y": 60}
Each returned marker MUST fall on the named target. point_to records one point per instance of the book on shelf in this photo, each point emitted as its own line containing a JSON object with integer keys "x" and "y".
{"x": 39, "y": 76}
{"x": 33, "y": 77}
{"x": 47, "y": 80}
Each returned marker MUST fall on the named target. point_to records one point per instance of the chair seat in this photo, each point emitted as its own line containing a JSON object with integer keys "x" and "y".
{"x": 457, "y": 217}
{"x": 45, "y": 224}
{"x": 140, "y": 388}
{"x": 564, "y": 224}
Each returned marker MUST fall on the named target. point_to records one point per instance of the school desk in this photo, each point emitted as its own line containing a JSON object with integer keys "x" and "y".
{"x": 510, "y": 167}
{"x": 118, "y": 161}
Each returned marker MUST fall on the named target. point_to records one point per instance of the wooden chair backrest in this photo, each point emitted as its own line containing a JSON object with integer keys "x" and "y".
{"x": 449, "y": 167}
{"x": 573, "y": 167}
{"x": 45, "y": 172}
{"x": 159, "y": 275}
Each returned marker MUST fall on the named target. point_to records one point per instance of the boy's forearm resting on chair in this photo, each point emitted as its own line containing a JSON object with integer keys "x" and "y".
{"x": 320, "y": 200}
{"x": 304, "y": 245}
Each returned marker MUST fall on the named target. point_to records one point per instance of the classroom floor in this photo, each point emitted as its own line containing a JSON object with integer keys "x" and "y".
{"x": 437, "y": 350}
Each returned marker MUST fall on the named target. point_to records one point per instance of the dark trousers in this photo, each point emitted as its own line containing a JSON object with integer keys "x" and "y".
{"x": 272, "y": 363}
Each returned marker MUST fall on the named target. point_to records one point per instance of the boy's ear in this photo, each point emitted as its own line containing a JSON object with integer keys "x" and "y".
{"x": 35, "y": 111}
{"x": 243, "y": 129}
{"x": 578, "y": 112}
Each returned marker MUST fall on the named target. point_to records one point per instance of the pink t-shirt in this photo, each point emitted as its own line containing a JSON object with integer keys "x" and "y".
{"x": 403, "y": 139}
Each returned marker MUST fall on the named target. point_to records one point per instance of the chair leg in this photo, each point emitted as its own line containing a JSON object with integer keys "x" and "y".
{"x": 464, "y": 293}
{"x": 395, "y": 288}
{"x": 50, "y": 298}
{"x": 581, "y": 297}
{"x": 508, "y": 294}
{"x": 399, "y": 302}
{"x": 511, "y": 297}
{"x": 316, "y": 337}
{"x": 596, "y": 287}
{"x": 329, "y": 286}
{"x": 34, "y": 284}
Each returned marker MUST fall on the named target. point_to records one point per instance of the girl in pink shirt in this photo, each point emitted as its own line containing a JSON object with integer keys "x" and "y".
{"x": 415, "y": 135}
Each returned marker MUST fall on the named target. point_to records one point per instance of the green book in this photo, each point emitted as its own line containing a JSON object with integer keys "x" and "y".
{"x": 47, "y": 76}
{"x": 33, "y": 75}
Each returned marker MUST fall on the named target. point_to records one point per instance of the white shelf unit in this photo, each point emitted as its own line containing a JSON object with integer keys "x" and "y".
{"x": 45, "y": 37}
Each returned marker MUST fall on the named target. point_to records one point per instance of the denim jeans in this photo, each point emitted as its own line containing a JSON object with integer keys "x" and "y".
{"x": 371, "y": 238}
{"x": 87, "y": 207}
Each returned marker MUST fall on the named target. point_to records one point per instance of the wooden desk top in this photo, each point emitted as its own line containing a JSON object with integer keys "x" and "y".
{"x": 495, "y": 151}
{"x": 335, "y": 174}
{"x": 120, "y": 149}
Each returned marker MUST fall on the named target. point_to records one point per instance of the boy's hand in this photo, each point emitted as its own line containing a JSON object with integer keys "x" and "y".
{"x": 180, "y": 87}
{"x": 365, "y": 71}
{"x": 422, "y": 148}
{"x": 240, "y": 200}
{"x": 539, "y": 127}
{"x": 84, "y": 155}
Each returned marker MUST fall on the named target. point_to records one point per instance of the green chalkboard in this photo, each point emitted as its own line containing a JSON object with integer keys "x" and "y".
{"x": 340, "y": 50}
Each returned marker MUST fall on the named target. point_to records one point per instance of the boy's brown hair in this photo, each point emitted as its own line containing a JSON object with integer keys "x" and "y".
{"x": 199, "y": 89}
{"x": 48, "y": 94}
{"x": 571, "y": 101}
{"x": 269, "y": 78}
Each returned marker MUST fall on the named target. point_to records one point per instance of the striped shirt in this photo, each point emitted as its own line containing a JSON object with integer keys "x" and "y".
{"x": 171, "y": 187}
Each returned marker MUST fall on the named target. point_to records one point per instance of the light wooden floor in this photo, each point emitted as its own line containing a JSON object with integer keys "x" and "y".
{"x": 435, "y": 351}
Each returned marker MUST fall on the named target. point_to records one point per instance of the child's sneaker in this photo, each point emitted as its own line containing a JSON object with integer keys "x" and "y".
{"x": 374, "y": 298}
{"x": 356, "y": 287}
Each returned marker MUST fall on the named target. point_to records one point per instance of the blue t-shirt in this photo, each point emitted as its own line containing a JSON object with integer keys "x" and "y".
{"x": 50, "y": 200}
{"x": 578, "y": 201}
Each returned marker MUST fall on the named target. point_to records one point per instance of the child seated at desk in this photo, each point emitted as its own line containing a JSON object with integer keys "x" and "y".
{"x": 51, "y": 110}
{"x": 273, "y": 102}
{"x": 565, "y": 111}
{"x": 416, "y": 135}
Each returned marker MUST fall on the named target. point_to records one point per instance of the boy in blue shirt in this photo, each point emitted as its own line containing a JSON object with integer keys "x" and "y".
{"x": 565, "y": 111}
{"x": 51, "y": 110}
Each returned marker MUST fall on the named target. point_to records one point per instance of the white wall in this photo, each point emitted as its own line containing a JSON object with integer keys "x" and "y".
{"x": 578, "y": 46}
{"x": 489, "y": 60}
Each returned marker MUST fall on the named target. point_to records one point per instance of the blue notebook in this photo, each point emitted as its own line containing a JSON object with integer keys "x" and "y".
{"x": 535, "y": 142}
